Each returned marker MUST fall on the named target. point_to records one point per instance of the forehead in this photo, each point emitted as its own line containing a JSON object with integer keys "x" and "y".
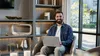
{"x": 59, "y": 14}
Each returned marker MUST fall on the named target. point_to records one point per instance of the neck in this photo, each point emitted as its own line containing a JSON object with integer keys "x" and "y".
{"x": 59, "y": 24}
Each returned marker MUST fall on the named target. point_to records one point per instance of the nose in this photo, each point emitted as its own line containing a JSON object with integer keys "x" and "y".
{"x": 59, "y": 17}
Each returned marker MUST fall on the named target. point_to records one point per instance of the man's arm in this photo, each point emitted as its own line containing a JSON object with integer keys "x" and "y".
{"x": 70, "y": 37}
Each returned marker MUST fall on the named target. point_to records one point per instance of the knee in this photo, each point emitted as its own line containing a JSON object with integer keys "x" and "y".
{"x": 60, "y": 49}
{"x": 43, "y": 48}
{"x": 57, "y": 49}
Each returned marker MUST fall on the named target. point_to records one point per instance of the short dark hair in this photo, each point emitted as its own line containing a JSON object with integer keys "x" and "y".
{"x": 58, "y": 12}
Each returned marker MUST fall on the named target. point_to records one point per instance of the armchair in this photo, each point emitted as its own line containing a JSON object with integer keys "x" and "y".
{"x": 40, "y": 44}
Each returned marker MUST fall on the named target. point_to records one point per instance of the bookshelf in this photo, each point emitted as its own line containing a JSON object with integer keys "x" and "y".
{"x": 37, "y": 13}
{"x": 16, "y": 39}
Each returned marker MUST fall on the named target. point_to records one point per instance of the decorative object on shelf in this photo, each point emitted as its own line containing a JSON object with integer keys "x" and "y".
{"x": 14, "y": 54}
{"x": 19, "y": 33}
{"x": 27, "y": 53}
{"x": 10, "y": 17}
{"x": 19, "y": 18}
{"x": 13, "y": 17}
{"x": 53, "y": 2}
{"x": 37, "y": 30}
{"x": 47, "y": 15}
{"x": 24, "y": 44}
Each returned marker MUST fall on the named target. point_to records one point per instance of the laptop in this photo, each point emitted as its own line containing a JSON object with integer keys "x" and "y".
{"x": 51, "y": 41}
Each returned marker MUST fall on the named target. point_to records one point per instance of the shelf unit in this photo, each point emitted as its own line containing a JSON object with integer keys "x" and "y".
{"x": 15, "y": 20}
{"x": 48, "y": 6}
{"x": 33, "y": 12}
{"x": 16, "y": 43}
{"x": 6, "y": 37}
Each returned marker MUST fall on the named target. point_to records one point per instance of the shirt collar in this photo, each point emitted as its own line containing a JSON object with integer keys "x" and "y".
{"x": 63, "y": 24}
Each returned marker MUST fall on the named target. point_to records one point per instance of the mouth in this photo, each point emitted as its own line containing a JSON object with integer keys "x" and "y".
{"x": 59, "y": 21}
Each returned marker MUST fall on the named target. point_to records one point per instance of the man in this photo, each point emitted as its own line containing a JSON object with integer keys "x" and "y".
{"x": 65, "y": 34}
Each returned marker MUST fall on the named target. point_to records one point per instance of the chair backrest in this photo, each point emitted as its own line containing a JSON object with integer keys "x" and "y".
{"x": 73, "y": 46}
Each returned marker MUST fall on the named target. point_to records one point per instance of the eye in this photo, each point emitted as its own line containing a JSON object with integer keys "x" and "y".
{"x": 57, "y": 16}
{"x": 60, "y": 16}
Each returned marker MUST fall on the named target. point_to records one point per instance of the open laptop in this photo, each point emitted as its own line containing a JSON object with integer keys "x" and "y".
{"x": 51, "y": 41}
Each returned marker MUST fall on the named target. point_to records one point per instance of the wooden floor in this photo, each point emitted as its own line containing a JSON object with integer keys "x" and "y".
{"x": 83, "y": 53}
{"x": 78, "y": 53}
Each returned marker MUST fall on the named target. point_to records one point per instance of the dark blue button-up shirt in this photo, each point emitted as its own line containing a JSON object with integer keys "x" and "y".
{"x": 66, "y": 34}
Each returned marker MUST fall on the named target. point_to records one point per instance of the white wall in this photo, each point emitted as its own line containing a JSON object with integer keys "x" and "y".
{"x": 21, "y": 8}
{"x": 66, "y": 10}
{"x": 10, "y": 12}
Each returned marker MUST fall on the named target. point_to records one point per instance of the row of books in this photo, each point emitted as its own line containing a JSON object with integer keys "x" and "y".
{"x": 48, "y": 2}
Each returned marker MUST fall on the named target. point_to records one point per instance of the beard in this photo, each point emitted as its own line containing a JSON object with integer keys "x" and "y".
{"x": 59, "y": 21}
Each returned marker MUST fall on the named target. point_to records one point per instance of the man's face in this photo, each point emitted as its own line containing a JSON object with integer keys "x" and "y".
{"x": 59, "y": 18}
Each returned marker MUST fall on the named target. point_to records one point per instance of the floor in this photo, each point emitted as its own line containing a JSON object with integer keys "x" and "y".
{"x": 78, "y": 53}
{"x": 83, "y": 53}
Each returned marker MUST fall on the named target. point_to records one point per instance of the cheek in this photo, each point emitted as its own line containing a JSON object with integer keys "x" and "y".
{"x": 62, "y": 18}
{"x": 56, "y": 18}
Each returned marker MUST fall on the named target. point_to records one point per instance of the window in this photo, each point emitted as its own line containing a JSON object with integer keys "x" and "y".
{"x": 88, "y": 41}
{"x": 89, "y": 17}
{"x": 84, "y": 22}
{"x": 74, "y": 14}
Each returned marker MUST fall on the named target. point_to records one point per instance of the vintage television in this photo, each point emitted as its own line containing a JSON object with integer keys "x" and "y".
{"x": 6, "y": 4}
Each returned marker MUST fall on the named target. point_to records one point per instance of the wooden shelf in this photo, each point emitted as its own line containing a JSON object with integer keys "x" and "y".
{"x": 25, "y": 36}
{"x": 47, "y": 6}
{"x": 45, "y": 20}
{"x": 41, "y": 35}
{"x": 7, "y": 52}
{"x": 15, "y": 20}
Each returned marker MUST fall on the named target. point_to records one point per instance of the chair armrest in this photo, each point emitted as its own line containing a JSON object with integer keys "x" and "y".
{"x": 73, "y": 46}
{"x": 37, "y": 47}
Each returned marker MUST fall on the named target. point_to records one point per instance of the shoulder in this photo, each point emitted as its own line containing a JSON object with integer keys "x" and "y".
{"x": 53, "y": 26}
{"x": 66, "y": 25}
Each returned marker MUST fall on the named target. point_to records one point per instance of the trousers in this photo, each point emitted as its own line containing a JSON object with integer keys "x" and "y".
{"x": 58, "y": 51}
